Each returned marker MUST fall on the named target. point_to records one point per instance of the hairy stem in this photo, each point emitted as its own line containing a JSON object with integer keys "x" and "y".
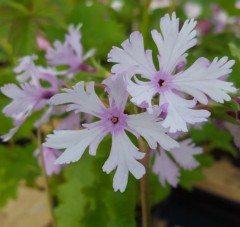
{"x": 146, "y": 220}
{"x": 39, "y": 138}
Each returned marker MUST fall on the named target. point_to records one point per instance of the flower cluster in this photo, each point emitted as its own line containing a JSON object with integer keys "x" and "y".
{"x": 166, "y": 98}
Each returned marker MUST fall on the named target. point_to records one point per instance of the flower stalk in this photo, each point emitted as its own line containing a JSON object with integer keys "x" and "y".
{"x": 49, "y": 199}
{"x": 145, "y": 17}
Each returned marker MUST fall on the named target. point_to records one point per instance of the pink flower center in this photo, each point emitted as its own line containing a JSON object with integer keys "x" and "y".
{"x": 161, "y": 81}
{"x": 47, "y": 94}
{"x": 114, "y": 120}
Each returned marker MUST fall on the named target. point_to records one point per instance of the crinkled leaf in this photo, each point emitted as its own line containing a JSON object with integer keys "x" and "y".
{"x": 187, "y": 178}
{"x": 17, "y": 163}
{"x": 101, "y": 32}
{"x": 88, "y": 199}
{"x": 214, "y": 137}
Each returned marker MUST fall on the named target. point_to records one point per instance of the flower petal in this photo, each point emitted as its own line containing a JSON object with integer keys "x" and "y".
{"x": 25, "y": 99}
{"x": 69, "y": 53}
{"x": 132, "y": 57}
{"x": 117, "y": 91}
{"x": 184, "y": 154}
{"x": 81, "y": 100}
{"x": 179, "y": 112}
{"x": 26, "y": 68}
{"x": 202, "y": 78}
{"x": 173, "y": 44}
{"x": 142, "y": 93}
{"x": 166, "y": 169}
{"x": 151, "y": 130}
{"x": 123, "y": 156}
{"x": 50, "y": 155}
{"x": 74, "y": 143}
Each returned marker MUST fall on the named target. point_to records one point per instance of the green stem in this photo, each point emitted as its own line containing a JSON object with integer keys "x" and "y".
{"x": 49, "y": 198}
{"x": 145, "y": 17}
{"x": 144, "y": 191}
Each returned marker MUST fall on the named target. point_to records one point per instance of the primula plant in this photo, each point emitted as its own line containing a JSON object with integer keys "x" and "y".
{"x": 140, "y": 121}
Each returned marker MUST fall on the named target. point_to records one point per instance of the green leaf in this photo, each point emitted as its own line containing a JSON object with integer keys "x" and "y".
{"x": 214, "y": 137}
{"x": 88, "y": 199}
{"x": 235, "y": 51}
{"x": 227, "y": 111}
{"x": 157, "y": 191}
{"x": 101, "y": 32}
{"x": 16, "y": 164}
{"x": 24, "y": 19}
{"x": 187, "y": 178}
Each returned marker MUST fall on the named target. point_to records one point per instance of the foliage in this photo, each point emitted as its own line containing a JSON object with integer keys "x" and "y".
{"x": 84, "y": 193}
{"x": 87, "y": 196}
{"x": 17, "y": 163}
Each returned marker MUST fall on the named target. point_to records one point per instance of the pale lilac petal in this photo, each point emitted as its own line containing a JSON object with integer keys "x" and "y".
{"x": 69, "y": 53}
{"x": 50, "y": 155}
{"x": 181, "y": 64}
{"x": 72, "y": 121}
{"x": 44, "y": 118}
{"x": 116, "y": 88}
{"x": 166, "y": 169}
{"x": 146, "y": 125}
{"x": 26, "y": 68}
{"x": 25, "y": 62}
{"x": 43, "y": 43}
{"x": 80, "y": 100}
{"x": 179, "y": 112}
{"x": 24, "y": 99}
{"x": 73, "y": 38}
{"x": 51, "y": 111}
{"x": 123, "y": 156}
{"x": 142, "y": 93}
{"x": 61, "y": 54}
{"x": 203, "y": 79}
{"x": 132, "y": 57}
{"x": 235, "y": 132}
{"x": 74, "y": 143}
{"x": 184, "y": 154}
{"x": 192, "y": 10}
{"x": 89, "y": 54}
{"x": 173, "y": 44}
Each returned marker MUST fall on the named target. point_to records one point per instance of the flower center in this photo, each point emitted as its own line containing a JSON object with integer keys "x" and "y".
{"x": 162, "y": 83}
{"x": 47, "y": 94}
{"x": 114, "y": 120}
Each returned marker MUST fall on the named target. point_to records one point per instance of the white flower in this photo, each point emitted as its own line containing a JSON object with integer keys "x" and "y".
{"x": 112, "y": 120}
{"x": 202, "y": 80}
{"x": 70, "y": 53}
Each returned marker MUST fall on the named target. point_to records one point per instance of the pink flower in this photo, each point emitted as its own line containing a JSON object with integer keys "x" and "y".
{"x": 201, "y": 79}
{"x": 220, "y": 18}
{"x": 29, "y": 96}
{"x": 70, "y": 53}
{"x": 112, "y": 120}
{"x": 167, "y": 169}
